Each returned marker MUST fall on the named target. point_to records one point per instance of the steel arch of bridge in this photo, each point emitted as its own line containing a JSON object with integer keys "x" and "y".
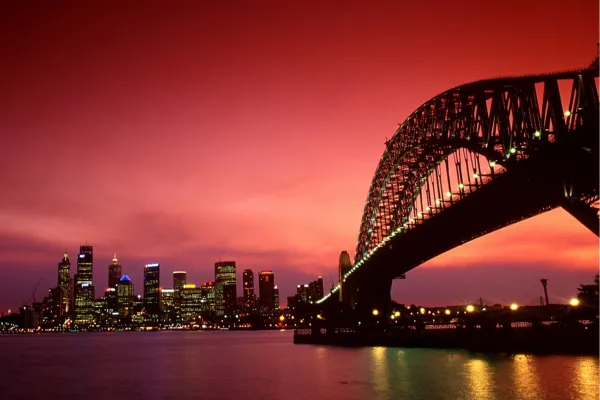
{"x": 500, "y": 119}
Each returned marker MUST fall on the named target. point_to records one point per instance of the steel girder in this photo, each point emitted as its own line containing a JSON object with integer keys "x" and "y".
{"x": 499, "y": 119}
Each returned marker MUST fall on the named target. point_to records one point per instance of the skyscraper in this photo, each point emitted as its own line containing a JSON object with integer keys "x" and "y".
{"x": 152, "y": 294}
{"x": 84, "y": 288}
{"x": 225, "y": 287}
{"x": 64, "y": 283}
{"x": 125, "y": 294}
{"x": 276, "y": 298}
{"x": 266, "y": 290}
{"x": 114, "y": 273}
{"x": 179, "y": 281}
{"x": 248, "y": 280}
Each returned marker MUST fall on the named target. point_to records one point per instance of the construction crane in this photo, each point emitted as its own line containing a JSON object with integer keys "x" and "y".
{"x": 32, "y": 298}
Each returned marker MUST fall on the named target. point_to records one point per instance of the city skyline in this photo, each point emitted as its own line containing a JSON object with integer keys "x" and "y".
{"x": 220, "y": 139}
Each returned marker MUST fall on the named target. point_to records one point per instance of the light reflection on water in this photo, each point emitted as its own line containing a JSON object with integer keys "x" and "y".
{"x": 257, "y": 365}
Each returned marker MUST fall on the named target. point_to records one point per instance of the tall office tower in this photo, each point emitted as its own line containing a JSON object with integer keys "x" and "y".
{"x": 248, "y": 279}
{"x": 191, "y": 303}
{"x": 225, "y": 287}
{"x": 84, "y": 289}
{"x": 318, "y": 293}
{"x": 125, "y": 295}
{"x": 168, "y": 314}
{"x": 64, "y": 283}
{"x": 152, "y": 294}
{"x": 315, "y": 290}
{"x": 208, "y": 298}
{"x": 276, "y": 298}
{"x": 179, "y": 281}
{"x": 302, "y": 291}
{"x": 343, "y": 267}
{"x": 114, "y": 273}
{"x": 266, "y": 290}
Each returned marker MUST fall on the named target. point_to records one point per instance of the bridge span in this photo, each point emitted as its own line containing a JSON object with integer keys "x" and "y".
{"x": 470, "y": 161}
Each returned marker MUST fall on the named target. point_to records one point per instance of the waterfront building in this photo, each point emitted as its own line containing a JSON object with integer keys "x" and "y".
{"x": 179, "y": 281}
{"x": 167, "y": 306}
{"x": 276, "y": 298}
{"x": 225, "y": 287}
{"x": 302, "y": 293}
{"x": 152, "y": 294}
{"x": 64, "y": 283}
{"x": 125, "y": 295}
{"x": 266, "y": 290}
{"x": 84, "y": 289}
{"x": 110, "y": 313}
{"x": 315, "y": 290}
{"x": 248, "y": 295}
{"x": 191, "y": 303}
{"x": 114, "y": 273}
{"x": 207, "y": 290}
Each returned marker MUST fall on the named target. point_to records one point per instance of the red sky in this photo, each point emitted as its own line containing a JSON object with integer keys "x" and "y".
{"x": 184, "y": 134}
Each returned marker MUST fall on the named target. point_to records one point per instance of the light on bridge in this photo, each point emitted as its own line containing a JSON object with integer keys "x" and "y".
{"x": 470, "y": 308}
{"x": 448, "y": 194}
{"x": 475, "y": 175}
{"x": 513, "y": 150}
{"x": 567, "y": 113}
{"x": 537, "y": 134}
{"x": 492, "y": 164}
{"x": 514, "y": 306}
{"x": 461, "y": 186}
{"x": 574, "y": 302}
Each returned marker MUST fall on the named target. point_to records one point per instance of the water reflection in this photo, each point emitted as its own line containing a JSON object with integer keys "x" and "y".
{"x": 525, "y": 377}
{"x": 380, "y": 371}
{"x": 586, "y": 378}
{"x": 479, "y": 379}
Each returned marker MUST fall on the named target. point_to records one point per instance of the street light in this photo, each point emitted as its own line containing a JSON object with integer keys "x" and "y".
{"x": 574, "y": 302}
{"x": 514, "y": 306}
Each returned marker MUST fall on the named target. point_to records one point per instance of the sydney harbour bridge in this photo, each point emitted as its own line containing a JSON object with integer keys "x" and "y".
{"x": 472, "y": 160}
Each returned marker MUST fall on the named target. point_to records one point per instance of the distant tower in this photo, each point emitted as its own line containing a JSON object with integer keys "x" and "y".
{"x": 152, "y": 293}
{"x": 343, "y": 267}
{"x": 225, "y": 285}
{"x": 83, "y": 306}
{"x": 179, "y": 281}
{"x": 266, "y": 290}
{"x": 248, "y": 280}
{"x": 64, "y": 282}
{"x": 114, "y": 273}
{"x": 544, "y": 284}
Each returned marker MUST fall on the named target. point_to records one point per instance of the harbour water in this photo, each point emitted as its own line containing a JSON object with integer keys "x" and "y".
{"x": 266, "y": 365}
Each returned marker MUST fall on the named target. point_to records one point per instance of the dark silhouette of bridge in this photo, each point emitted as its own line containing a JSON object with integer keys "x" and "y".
{"x": 472, "y": 160}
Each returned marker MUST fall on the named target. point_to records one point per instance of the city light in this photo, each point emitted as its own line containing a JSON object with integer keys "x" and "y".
{"x": 537, "y": 134}
{"x": 281, "y": 318}
{"x": 397, "y": 314}
{"x": 513, "y": 150}
{"x": 514, "y": 306}
{"x": 574, "y": 302}
{"x": 375, "y": 312}
{"x": 470, "y": 308}
{"x": 422, "y": 310}
{"x": 447, "y": 312}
